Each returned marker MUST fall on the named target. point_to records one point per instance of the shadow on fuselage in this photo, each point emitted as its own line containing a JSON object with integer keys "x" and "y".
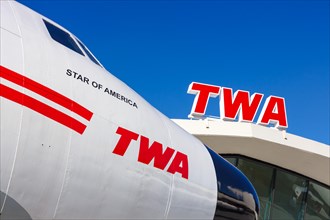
{"x": 12, "y": 209}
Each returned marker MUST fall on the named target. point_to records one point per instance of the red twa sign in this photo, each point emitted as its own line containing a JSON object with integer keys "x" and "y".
{"x": 240, "y": 104}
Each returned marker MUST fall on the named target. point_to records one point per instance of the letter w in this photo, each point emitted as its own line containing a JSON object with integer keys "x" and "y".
{"x": 155, "y": 151}
{"x": 241, "y": 104}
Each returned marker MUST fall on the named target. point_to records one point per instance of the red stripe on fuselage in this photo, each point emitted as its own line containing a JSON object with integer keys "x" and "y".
{"x": 45, "y": 92}
{"x": 41, "y": 108}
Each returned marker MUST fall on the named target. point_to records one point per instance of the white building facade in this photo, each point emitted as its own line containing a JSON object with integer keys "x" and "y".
{"x": 291, "y": 174}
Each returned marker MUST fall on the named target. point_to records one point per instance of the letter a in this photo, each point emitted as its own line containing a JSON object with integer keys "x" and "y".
{"x": 273, "y": 112}
{"x": 179, "y": 165}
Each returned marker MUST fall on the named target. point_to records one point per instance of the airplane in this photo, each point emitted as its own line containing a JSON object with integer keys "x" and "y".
{"x": 77, "y": 143}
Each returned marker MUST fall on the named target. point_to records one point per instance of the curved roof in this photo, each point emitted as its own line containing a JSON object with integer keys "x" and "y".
{"x": 301, "y": 155}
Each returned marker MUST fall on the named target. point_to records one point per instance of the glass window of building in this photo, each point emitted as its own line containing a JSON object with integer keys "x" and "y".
{"x": 289, "y": 196}
{"x": 284, "y": 194}
{"x": 261, "y": 178}
{"x": 232, "y": 160}
{"x": 318, "y": 202}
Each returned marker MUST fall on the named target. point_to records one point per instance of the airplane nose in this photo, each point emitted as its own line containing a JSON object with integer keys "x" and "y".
{"x": 237, "y": 198}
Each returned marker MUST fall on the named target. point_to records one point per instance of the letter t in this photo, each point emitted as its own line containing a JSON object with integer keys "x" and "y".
{"x": 124, "y": 140}
{"x": 203, "y": 92}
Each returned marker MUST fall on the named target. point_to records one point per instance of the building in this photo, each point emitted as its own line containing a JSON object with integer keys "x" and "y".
{"x": 291, "y": 174}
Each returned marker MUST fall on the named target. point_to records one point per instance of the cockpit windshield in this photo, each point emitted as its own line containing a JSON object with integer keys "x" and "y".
{"x": 89, "y": 54}
{"x": 66, "y": 39}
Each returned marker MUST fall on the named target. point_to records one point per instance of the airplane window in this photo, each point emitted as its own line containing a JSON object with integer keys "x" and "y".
{"x": 62, "y": 37}
{"x": 89, "y": 54}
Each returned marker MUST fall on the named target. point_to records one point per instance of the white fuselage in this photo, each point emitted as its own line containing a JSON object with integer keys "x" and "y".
{"x": 78, "y": 143}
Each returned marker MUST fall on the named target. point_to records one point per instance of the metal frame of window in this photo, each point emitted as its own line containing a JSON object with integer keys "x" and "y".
{"x": 88, "y": 52}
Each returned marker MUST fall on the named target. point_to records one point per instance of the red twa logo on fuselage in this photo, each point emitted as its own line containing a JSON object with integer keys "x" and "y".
{"x": 147, "y": 152}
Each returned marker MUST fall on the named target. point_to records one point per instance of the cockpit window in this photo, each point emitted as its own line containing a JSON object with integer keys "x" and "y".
{"x": 62, "y": 37}
{"x": 89, "y": 54}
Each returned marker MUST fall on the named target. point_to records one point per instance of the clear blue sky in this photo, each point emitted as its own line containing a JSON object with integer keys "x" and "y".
{"x": 159, "y": 47}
